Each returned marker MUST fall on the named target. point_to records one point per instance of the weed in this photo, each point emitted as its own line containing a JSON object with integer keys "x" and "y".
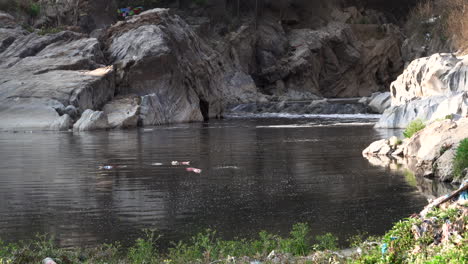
{"x": 49, "y": 30}
{"x": 413, "y": 128}
{"x": 144, "y": 250}
{"x": 326, "y": 242}
{"x": 460, "y": 162}
{"x": 298, "y": 243}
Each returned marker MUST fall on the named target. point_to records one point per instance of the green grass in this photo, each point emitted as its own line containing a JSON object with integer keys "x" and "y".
{"x": 208, "y": 247}
{"x": 461, "y": 159}
{"x": 413, "y": 128}
{"x": 205, "y": 247}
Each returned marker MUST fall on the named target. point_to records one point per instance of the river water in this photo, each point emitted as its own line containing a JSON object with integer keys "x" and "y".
{"x": 258, "y": 174}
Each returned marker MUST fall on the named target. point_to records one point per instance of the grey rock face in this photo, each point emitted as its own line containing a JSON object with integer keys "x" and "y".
{"x": 427, "y": 109}
{"x": 181, "y": 77}
{"x": 439, "y": 74}
{"x": 429, "y": 89}
{"x": 380, "y": 102}
{"x": 30, "y": 114}
{"x": 53, "y": 73}
{"x": 91, "y": 120}
{"x": 335, "y": 60}
{"x": 443, "y": 167}
{"x": 62, "y": 124}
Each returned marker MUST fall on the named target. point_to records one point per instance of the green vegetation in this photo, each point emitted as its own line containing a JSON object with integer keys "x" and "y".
{"x": 49, "y": 30}
{"x": 461, "y": 159}
{"x": 398, "y": 246}
{"x": 413, "y": 128}
{"x": 205, "y": 247}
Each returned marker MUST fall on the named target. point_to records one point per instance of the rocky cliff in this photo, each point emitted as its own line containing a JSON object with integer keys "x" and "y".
{"x": 430, "y": 88}
{"x": 184, "y": 72}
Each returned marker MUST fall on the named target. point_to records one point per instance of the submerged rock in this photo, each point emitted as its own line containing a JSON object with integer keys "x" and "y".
{"x": 123, "y": 112}
{"x": 91, "y": 120}
{"x": 31, "y": 114}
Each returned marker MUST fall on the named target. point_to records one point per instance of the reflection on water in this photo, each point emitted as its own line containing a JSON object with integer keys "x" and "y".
{"x": 256, "y": 176}
{"x": 413, "y": 174}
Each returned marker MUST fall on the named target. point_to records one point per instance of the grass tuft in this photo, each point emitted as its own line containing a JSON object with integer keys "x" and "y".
{"x": 460, "y": 162}
{"x": 413, "y": 128}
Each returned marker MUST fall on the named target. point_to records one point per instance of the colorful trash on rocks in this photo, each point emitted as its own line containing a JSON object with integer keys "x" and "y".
{"x": 48, "y": 261}
{"x": 129, "y": 11}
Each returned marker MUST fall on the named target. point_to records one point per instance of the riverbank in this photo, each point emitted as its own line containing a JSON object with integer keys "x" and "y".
{"x": 437, "y": 235}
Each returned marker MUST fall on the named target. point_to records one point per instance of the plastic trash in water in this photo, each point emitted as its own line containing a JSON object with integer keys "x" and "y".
{"x": 194, "y": 170}
{"x": 110, "y": 167}
{"x": 107, "y": 167}
{"x": 177, "y": 163}
{"x": 48, "y": 261}
{"x": 157, "y": 164}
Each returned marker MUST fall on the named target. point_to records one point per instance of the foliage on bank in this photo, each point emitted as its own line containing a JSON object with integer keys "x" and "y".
{"x": 460, "y": 162}
{"x": 440, "y": 236}
{"x": 414, "y": 127}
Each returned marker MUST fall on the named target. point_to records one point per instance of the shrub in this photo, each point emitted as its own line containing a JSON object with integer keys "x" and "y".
{"x": 144, "y": 250}
{"x": 413, "y": 128}
{"x": 326, "y": 242}
{"x": 461, "y": 159}
{"x": 298, "y": 243}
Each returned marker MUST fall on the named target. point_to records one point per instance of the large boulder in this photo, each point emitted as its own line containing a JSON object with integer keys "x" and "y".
{"x": 429, "y": 152}
{"x": 426, "y": 145}
{"x": 443, "y": 167}
{"x": 92, "y": 120}
{"x": 380, "y": 102}
{"x": 123, "y": 112}
{"x": 182, "y": 78}
{"x": 32, "y": 114}
{"x": 439, "y": 74}
{"x": 429, "y": 89}
{"x": 428, "y": 109}
{"x": 51, "y": 72}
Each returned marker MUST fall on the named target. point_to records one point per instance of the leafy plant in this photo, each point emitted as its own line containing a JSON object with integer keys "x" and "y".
{"x": 461, "y": 159}
{"x": 299, "y": 242}
{"x": 144, "y": 250}
{"x": 413, "y": 128}
{"x": 326, "y": 242}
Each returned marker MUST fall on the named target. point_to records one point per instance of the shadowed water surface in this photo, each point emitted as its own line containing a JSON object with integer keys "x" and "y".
{"x": 257, "y": 175}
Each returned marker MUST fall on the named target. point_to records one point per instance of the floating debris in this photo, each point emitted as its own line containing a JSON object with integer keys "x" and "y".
{"x": 107, "y": 167}
{"x": 195, "y": 170}
{"x": 157, "y": 164}
{"x": 178, "y": 163}
{"x": 110, "y": 167}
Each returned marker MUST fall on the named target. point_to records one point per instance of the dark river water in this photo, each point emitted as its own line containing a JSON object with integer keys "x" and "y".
{"x": 257, "y": 175}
